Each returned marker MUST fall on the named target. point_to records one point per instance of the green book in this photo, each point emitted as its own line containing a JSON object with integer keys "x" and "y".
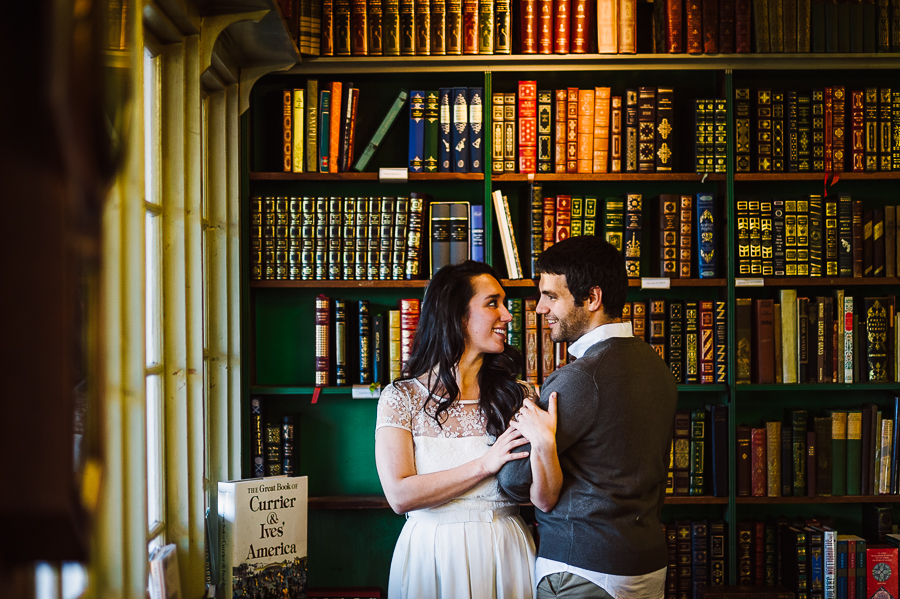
{"x": 381, "y": 132}
{"x": 514, "y": 332}
{"x": 614, "y": 222}
{"x": 432, "y": 112}
{"x": 854, "y": 452}
{"x": 824, "y": 485}
{"x": 577, "y": 216}
{"x": 838, "y": 453}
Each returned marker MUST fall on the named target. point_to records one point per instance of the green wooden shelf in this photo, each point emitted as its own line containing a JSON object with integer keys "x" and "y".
{"x": 782, "y": 387}
{"x": 818, "y": 500}
{"x": 714, "y": 387}
{"x": 821, "y": 281}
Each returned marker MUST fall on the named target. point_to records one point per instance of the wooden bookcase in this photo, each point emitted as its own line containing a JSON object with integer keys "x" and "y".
{"x": 352, "y": 531}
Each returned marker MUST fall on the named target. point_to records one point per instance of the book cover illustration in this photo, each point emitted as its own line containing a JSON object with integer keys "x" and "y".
{"x": 263, "y": 526}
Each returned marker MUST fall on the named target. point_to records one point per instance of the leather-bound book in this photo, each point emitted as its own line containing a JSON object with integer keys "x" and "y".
{"x": 743, "y": 26}
{"x": 773, "y": 459}
{"x": 432, "y": 118}
{"x": 534, "y": 198}
{"x": 803, "y": 25}
{"x": 528, "y": 26}
{"x": 778, "y": 132}
{"x": 601, "y": 130}
{"x": 531, "y": 341}
{"x": 856, "y": 231}
{"x": 818, "y": 130}
{"x": 743, "y": 455}
{"x": 839, "y": 125}
{"x": 694, "y": 26}
{"x": 656, "y": 336}
{"x": 626, "y": 40}
{"x": 682, "y": 452}
{"x": 824, "y": 484}
{"x": 438, "y": 35}
{"x": 414, "y": 246}
{"x": 572, "y": 130}
{"x": 514, "y": 330}
{"x": 351, "y": 101}
{"x": 699, "y": 426}
{"x": 476, "y": 130}
{"x": 579, "y": 27}
{"x": 685, "y": 236}
{"x": 828, "y": 95}
{"x": 789, "y": 23}
{"x": 668, "y": 235}
{"x": 607, "y": 26}
{"x": 878, "y": 311}
{"x": 890, "y": 241}
{"x": 798, "y": 440}
{"x": 718, "y": 449}
{"x": 815, "y": 236}
{"x": 857, "y": 146}
{"x": 400, "y": 233}
{"x": 545, "y": 131}
{"x": 497, "y": 101}
{"x": 485, "y": 27}
{"x": 639, "y": 320}
{"x": 742, "y": 130}
{"x": 503, "y": 27}
{"x": 510, "y": 145}
{"x": 631, "y": 131}
{"x": 870, "y": 123}
{"x": 416, "y": 131}
{"x": 710, "y": 24}
{"x": 706, "y": 225}
{"x": 778, "y": 238}
{"x": 804, "y": 134}
{"x": 633, "y": 235}
{"x": 817, "y": 25}
{"x": 563, "y": 225}
{"x": 373, "y": 246}
{"x": 390, "y": 27}
{"x": 374, "y": 23}
{"x": 720, "y": 339}
{"x": 683, "y": 557}
{"x": 674, "y": 27}
{"x": 885, "y": 117}
{"x": 726, "y": 26}
{"x": 287, "y": 129}
{"x": 717, "y": 559}
{"x": 763, "y": 350}
{"x": 753, "y": 218}
{"x": 527, "y": 126}
{"x": 585, "y": 128}
{"x": 692, "y": 342}
{"x": 766, "y": 241}
{"x": 706, "y": 358}
{"x": 868, "y": 243}
{"x": 326, "y": 43}
{"x": 675, "y": 346}
{"x": 560, "y": 111}
{"x": 440, "y": 235}
{"x": 409, "y": 321}
{"x": 386, "y": 238}
{"x": 340, "y": 342}
{"x": 545, "y": 25}
{"x": 323, "y": 334}
{"x": 422, "y": 29}
{"x": 561, "y": 15}
{"x": 743, "y": 319}
{"x": 548, "y": 362}
{"x": 359, "y": 28}
{"x": 803, "y": 349}
{"x": 763, "y": 139}
{"x": 342, "y": 28}
{"x": 831, "y": 238}
{"x": 758, "y": 462}
{"x": 761, "y": 25}
{"x": 407, "y": 10}
{"x": 824, "y": 340}
{"x": 459, "y": 150}
{"x": 454, "y": 31}
{"x": 647, "y": 129}
{"x": 832, "y": 26}
{"x": 777, "y": 25}
{"x": 664, "y": 130}
{"x": 348, "y": 240}
{"x": 615, "y": 136}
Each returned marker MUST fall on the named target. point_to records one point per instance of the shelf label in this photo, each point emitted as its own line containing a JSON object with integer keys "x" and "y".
{"x": 366, "y": 391}
{"x": 393, "y": 175}
{"x": 655, "y": 283}
{"x": 749, "y": 283}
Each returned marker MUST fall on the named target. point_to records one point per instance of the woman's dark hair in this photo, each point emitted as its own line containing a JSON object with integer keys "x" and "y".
{"x": 588, "y": 261}
{"x": 441, "y": 338}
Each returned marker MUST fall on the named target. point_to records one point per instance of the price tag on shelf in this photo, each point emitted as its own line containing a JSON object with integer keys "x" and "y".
{"x": 393, "y": 175}
{"x": 366, "y": 391}
{"x": 749, "y": 283}
{"x": 655, "y": 282}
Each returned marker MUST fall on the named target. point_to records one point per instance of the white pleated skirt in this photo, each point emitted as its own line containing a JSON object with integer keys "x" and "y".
{"x": 477, "y": 554}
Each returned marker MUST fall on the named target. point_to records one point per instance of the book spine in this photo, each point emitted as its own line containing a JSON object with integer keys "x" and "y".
{"x": 694, "y": 31}
{"x": 287, "y": 130}
{"x": 379, "y": 345}
{"x": 706, "y": 357}
{"x": 470, "y": 30}
{"x": 758, "y": 462}
{"x": 515, "y": 327}
{"x": 503, "y": 26}
{"x": 401, "y": 230}
{"x": 710, "y": 21}
{"x": 454, "y": 33}
{"x": 344, "y": 149}
{"x": 531, "y": 341}
{"x": 430, "y": 139}
{"x": 445, "y": 122}
{"x": 416, "y": 131}
{"x": 409, "y": 321}
{"x": 706, "y": 236}
{"x": 326, "y": 44}
{"x": 460, "y": 130}
{"x": 579, "y": 27}
{"x": 335, "y": 239}
{"x": 527, "y": 126}
{"x": 692, "y": 343}
{"x": 600, "y": 149}
{"x": 633, "y": 233}
{"x": 743, "y": 439}
{"x": 323, "y": 354}
{"x": 585, "y": 131}
{"x": 423, "y": 27}
{"x": 631, "y": 131}
{"x": 545, "y": 26}
{"x": 348, "y": 239}
{"x": 312, "y": 125}
{"x": 721, "y": 342}
{"x": 298, "y": 119}
{"x": 340, "y": 342}
{"x": 675, "y": 345}
{"x": 385, "y": 238}
{"x": 440, "y": 235}
{"x": 562, "y": 9}
{"x": 414, "y": 239}
{"x": 528, "y": 26}
{"x": 497, "y": 127}
{"x": 375, "y": 30}
{"x": 544, "y": 131}
{"x": 510, "y": 155}
{"x": 342, "y": 28}
{"x": 485, "y": 26}
{"x": 359, "y": 28}
{"x": 391, "y": 27}
{"x": 665, "y": 130}
{"x": 407, "y": 17}
{"x": 773, "y": 459}
{"x": 615, "y": 137}
{"x": 365, "y": 343}
{"x": 438, "y": 30}
{"x": 646, "y": 129}
{"x": 459, "y": 232}
{"x": 607, "y": 26}
{"x": 475, "y": 132}
{"x": 257, "y": 438}
{"x": 324, "y": 131}
{"x": 477, "y": 233}
{"x": 394, "y": 345}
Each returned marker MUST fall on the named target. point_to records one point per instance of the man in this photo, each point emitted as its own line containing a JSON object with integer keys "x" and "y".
{"x": 616, "y": 408}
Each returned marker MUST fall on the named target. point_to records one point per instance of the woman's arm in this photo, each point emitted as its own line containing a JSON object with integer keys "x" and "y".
{"x": 406, "y": 490}
{"x": 539, "y": 427}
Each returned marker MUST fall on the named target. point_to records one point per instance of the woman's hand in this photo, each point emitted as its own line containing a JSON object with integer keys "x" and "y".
{"x": 537, "y": 425}
{"x": 501, "y": 451}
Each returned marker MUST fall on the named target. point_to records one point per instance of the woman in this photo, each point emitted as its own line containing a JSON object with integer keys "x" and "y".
{"x": 441, "y": 437}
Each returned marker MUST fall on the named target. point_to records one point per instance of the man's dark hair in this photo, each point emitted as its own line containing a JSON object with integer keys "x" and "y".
{"x": 588, "y": 261}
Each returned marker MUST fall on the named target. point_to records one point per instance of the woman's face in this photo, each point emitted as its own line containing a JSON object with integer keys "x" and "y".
{"x": 486, "y": 321}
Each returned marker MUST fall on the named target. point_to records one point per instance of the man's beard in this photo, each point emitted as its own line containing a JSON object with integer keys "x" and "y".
{"x": 572, "y": 328}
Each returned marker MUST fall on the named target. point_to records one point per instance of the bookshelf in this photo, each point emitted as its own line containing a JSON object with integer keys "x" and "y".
{"x": 337, "y": 432}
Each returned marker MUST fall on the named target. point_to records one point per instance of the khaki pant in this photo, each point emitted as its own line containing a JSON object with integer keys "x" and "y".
{"x": 570, "y": 586}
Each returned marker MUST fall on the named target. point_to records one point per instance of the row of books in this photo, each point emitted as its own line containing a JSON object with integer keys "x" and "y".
{"x": 823, "y": 339}
{"x": 844, "y": 452}
{"x": 698, "y": 456}
{"x": 697, "y": 557}
{"x": 272, "y": 444}
{"x": 829, "y": 129}
{"x": 375, "y": 238}
{"x": 593, "y": 130}
{"x": 815, "y": 560}
{"x": 815, "y": 237}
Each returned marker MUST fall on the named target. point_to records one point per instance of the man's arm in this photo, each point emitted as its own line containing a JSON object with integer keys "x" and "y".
{"x": 515, "y": 477}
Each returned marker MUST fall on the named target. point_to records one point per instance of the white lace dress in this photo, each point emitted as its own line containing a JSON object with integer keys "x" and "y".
{"x": 473, "y": 546}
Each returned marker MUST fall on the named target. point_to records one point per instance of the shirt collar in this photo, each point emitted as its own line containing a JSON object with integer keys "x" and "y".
{"x": 601, "y": 333}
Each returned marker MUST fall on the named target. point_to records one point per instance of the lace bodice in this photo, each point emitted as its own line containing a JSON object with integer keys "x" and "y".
{"x": 462, "y": 438}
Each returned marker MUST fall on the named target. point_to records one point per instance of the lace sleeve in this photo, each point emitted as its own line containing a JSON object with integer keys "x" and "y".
{"x": 394, "y": 409}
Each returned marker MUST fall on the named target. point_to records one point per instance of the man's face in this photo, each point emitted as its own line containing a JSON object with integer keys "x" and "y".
{"x": 567, "y": 321}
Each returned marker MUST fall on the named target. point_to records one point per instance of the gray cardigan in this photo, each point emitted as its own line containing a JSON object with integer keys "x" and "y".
{"x": 616, "y": 410}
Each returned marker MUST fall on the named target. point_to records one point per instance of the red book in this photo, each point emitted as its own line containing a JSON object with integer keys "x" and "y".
{"x": 851, "y": 567}
{"x": 857, "y": 132}
{"x": 549, "y": 221}
{"x": 762, "y": 356}
{"x": 742, "y": 26}
{"x": 710, "y": 26}
{"x": 839, "y": 126}
{"x": 707, "y": 356}
{"x": 545, "y": 26}
{"x": 470, "y": 26}
{"x": 758, "y": 462}
{"x": 560, "y": 119}
{"x": 561, "y": 26}
{"x": 881, "y": 571}
{"x": 409, "y": 321}
{"x": 527, "y": 126}
{"x": 528, "y": 27}
{"x": 563, "y": 218}
{"x": 580, "y": 26}
{"x": 674, "y": 27}
{"x": 572, "y": 130}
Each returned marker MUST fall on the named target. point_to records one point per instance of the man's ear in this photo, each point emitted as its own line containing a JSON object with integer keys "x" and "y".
{"x": 595, "y": 299}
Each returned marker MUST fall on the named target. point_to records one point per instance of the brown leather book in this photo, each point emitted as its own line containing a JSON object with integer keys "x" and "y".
{"x": 681, "y": 450}
{"x": 639, "y": 320}
{"x": 359, "y": 28}
{"x": 373, "y": 22}
{"x": 743, "y": 326}
{"x": 407, "y": 27}
{"x": 710, "y": 26}
{"x": 627, "y": 37}
{"x": 867, "y": 244}
{"x": 528, "y": 26}
{"x": 668, "y": 235}
{"x": 773, "y": 459}
{"x": 839, "y": 125}
{"x": 580, "y": 26}
{"x": 726, "y": 26}
{"x": 423, "y": 27}
{"x": 763, "y": 350}
{"x": 743, "y": 25}
{"x": 532, "y": 344}
{"x": 503, "y": 27}
{"x": 287, "y": 130}
{"x": 561, "y": 16}
{"x": 694, "y": 29}
{"x": 615, "y": 136}
{"x": 572, "y": 130}
{"x": 742, "y": 436}
{"x": 607, "y": 26}
{"x": 790, "y": 16}
{"x": 454, "y": 27}
{"x": 776, "y": 25}
{"x": 342, "y": 27}
{"x": 326, "y": 45}
{"x": 674, "y": 27}
{"x": 857, "y": 131}
{"x": 761, "y": 25}
{"x": 548, "y": 363}
{"x": 545, "y": 26}
{"x": 559, "y": 130}
{"x": 758, "y": 462}
{"x": 470, "y": 26}
{"x": 438, "y": 17}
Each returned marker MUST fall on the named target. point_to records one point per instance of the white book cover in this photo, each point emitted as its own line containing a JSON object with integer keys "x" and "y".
{"x": 830, "y": 566}
{"x": 510, "y": 252}
{"x": 847, "y": 327}
{"x": 164, "y": 580}
{"x": 263, "y": 524}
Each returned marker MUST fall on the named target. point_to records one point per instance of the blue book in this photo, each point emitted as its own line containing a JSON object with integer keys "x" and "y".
{"x": 477, "y": 231}
{"x": 476, "y": 130}
{"x": 324, "y": 129}
{"x": 460, "y": 130}
{"x": 445, "y": 120}
{"x": 416, "y": 131}
{"x": 706, "y": 235}
{"x": 842, "y": 571}
{"x": 378, "y": 348}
